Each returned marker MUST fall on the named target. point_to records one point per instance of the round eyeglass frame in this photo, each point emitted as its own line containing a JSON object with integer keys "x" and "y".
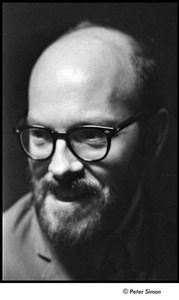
{"x": 109, "y": 132}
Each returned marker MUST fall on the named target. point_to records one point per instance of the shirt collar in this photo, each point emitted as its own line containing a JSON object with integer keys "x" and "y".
{"x": 41, "y": 244}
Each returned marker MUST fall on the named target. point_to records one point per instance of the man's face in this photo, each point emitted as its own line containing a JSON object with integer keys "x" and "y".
{"x": 76, "y": 200}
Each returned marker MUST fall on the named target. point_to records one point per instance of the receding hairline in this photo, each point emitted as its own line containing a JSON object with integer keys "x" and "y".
{"x": 115, "y": 43}
{"x": 143, "y": 65}
{"x": 107, "y": 36}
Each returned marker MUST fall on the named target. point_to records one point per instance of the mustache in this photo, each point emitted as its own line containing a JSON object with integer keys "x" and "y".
{"x": 78, "y": 186}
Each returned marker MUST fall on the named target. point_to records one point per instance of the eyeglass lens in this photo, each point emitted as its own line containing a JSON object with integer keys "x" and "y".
{"x": 87, "y": 143}
{"x": 37, "y": 143}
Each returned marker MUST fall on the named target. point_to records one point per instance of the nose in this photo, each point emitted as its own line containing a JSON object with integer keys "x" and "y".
{"x": 63, "y": 162}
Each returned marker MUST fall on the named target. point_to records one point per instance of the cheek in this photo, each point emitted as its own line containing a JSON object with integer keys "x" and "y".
{"x": 122, "y": 168}
{"x": 125, "y": 156}
{"x": 126, "y": 150}
{"x": 38, "y": 168}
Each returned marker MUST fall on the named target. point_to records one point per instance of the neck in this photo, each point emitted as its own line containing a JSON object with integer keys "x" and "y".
{"x": 82, "y": 261}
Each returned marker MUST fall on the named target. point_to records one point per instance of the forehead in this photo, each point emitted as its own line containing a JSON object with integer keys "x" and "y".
{"x": 85, "y": 69}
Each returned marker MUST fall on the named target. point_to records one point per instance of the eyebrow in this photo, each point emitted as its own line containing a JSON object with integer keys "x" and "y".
{"x": 97, "y": 121}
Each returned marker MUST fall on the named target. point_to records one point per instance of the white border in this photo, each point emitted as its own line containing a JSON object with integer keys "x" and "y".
{"x": 88, "y": 291}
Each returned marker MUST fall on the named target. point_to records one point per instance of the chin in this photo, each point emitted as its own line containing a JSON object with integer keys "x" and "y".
{"x": 90, "y": 218}
{"x": 69, "y": 223}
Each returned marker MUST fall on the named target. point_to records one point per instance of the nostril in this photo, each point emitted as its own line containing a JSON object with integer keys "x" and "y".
{"x": 69, "y": 177}
{"x": 63, "y": 161}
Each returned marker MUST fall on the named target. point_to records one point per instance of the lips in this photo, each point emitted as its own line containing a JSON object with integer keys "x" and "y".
{"x": 76, "y": 191}
{"x": 68, "y": 196}
{"x": 73, "y": 194}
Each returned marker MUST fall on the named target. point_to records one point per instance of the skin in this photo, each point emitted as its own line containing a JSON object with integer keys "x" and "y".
{"x": 85, "y": 78}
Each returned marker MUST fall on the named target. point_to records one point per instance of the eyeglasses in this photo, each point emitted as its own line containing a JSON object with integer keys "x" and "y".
{"x": 88, "y": 143}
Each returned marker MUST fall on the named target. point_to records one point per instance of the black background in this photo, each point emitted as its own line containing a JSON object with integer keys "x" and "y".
{"x": 29, "y": 27}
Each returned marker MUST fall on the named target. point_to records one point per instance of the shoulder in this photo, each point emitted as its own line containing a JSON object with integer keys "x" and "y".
{"x": 16, "y": 215}
{"x": 16, "y": 226}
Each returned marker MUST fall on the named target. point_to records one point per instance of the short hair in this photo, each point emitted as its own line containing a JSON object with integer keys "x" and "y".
{"x": 149, "y": 96}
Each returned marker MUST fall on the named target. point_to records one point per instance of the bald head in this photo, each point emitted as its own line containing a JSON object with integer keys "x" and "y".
{"x": 93, "y": 53}
{"x": 105, "y": 58}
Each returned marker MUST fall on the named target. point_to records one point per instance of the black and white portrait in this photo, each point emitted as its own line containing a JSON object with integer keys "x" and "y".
{"x": 89, "y": 142}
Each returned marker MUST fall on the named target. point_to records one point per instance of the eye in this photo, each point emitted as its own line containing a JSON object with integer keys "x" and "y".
{"x": 88, "y": 136}
{"x": 39, "y": 137}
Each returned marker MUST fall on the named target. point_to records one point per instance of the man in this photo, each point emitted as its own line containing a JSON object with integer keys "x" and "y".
{"x": 94, "y": 123}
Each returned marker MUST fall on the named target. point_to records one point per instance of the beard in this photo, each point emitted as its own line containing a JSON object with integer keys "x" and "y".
{"x": 72, "y": 212}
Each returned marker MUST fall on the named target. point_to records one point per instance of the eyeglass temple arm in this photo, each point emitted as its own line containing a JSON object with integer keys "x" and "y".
{"x": 20, "y": 122}
{"x": 130, "y": 121}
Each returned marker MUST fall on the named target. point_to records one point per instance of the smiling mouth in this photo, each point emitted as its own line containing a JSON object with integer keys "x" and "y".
{"x": 73, "y": 196}
{"x": 76, "y": 192}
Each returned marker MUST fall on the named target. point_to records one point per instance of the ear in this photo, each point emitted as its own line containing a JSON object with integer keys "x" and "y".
{"x": 161, "y": 130}
{"x": 156, "y": 135}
